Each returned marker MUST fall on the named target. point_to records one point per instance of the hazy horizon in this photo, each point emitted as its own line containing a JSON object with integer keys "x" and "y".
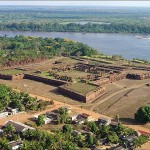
{"x": 78, "y": 3}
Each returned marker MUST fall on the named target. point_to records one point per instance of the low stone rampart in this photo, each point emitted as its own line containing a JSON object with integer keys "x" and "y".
{"x": 117, "y": 77}
{"x": 11, "y": 77}
{"x": 44, "y": 80}
{"x": 91, "y": 96}
{"x": 5, "y": 77}
{"x": 138, "y": 76}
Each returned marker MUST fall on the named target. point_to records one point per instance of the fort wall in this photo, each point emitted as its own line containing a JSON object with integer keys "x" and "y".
{"x": 5, "y": 77}
{"x": 33, "y": 77}
{"x": 138, "y": 76}
{"x": 90, "y": 96}
{"x": 116, "y": 77}
{"x": 44, "y": 80}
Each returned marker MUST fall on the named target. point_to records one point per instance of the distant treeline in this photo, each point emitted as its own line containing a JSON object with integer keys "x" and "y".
{"x": 20, "y": 50}
{"x": 74, "y": 27}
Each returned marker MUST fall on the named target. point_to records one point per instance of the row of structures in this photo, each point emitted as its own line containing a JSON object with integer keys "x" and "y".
{"x": 138, "y": 76}
{"x": 99, "y": 75}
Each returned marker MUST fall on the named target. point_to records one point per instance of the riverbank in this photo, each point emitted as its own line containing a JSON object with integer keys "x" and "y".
{"x": 127, "y": 45}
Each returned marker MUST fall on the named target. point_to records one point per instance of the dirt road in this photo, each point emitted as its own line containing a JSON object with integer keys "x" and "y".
{"x": 95, "y": 106}
{"x": 25, "y": 116}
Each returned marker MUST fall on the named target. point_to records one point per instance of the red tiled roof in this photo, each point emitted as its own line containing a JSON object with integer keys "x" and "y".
{"x": 144, "y": 133}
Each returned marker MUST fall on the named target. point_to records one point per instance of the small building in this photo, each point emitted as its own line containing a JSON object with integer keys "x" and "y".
{"x": 85, "y": 116}
{"x": 35, "y": 117}
{"x": 15, "y": 144}
{"x": 12, "y": 111}
{"x": 19, "y": 127}
{"x": 79, "y": 121}
{"x": 76, "y": 132}
{"x": 104, "y": 121}
{"x": 73, "y": 117}
{"x": 119, "y": 148}
{"x": 129, "y": 140}
{"x": 48, "y": 120}
{"x": 113, "y": 124}
{"x": 4, "y": 114}
{"x": 51, "y": 115}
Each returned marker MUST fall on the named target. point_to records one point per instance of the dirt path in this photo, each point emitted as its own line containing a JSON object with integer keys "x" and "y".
{"x": 95, "y": 106}
{"x": 23, "y": 117}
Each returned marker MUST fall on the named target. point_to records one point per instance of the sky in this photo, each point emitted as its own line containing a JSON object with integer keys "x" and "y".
{"x": 79, "y": 3}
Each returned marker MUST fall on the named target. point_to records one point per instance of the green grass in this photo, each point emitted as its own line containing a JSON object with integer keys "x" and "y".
{"x": 45, "y": 75}
{"x": 82, "y": 88}
{"x": 98, "y": 60}
{"x": 11, "y": 72}
{"x": 73, "y": 73}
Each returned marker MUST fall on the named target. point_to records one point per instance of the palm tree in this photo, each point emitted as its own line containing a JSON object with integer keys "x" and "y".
{"x": 117, "y": 118}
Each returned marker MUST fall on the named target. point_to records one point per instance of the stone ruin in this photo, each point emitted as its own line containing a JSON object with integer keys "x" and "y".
{"x": 57, "y": 62}
{"x": 135, "y": 76}
{"x": 116, "y": 77}
{"x": 59, "y": 77}
{"x": 89, "y": 97}
{"x": 100, "y": 70}
{"x": 62, "y": 68}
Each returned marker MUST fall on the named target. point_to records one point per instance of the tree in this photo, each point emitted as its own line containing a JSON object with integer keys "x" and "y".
{"x": 122, "y": 130}
{"x": 4, "y": 144}
{"x": 104, "y": 131}
{"x": 41, "y": 106}
{"x": 40, "y": 121}
{"x": 67, "y": 128}
{"x": 90, "y": 140}
{"x": 112, "y": 137}
{"x": 51, "y": 102}
{"x": 117, "y": 118}
{"x": 21, "y": 107}
{"x": 67, "y": 145}
{"x": 62, "y": 111}
{"x": 93, "y": 127}
{"x": 9, "y": 129}
{"x": 143, "y": 114}
{"x": 140, "y": 141}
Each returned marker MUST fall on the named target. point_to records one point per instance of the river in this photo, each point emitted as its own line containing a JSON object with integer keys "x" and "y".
{"x": 128, "y": 45}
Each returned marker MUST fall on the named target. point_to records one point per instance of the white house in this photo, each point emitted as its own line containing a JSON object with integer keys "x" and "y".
{"x": 15, "y": 144}
{"x": 73, "y": 117}
{"x": 46, "y": 119}
{"x": 20, "y": 127}
{"x": 3, "y": 114}
{"x": 13, "y": 110}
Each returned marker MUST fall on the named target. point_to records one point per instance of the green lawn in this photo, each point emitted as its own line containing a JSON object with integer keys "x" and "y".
{"x": 45, "y": 74}
{"x": 73, "y": 73}
{"x": 11, "y": 71}
{"x": 82, "y": 88}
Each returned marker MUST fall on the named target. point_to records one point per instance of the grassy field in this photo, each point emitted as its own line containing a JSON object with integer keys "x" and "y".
{"x": 11, "y": 71}
{"x": 82, "y": 88}
{"x": 73, "y": 73}
{"x": 45, "y": 74}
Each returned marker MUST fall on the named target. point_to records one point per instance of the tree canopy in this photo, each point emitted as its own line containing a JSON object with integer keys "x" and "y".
{"x": 143, "y": 114}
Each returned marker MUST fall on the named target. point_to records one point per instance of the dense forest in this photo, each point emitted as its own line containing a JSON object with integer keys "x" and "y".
{"x": 77, "y": 19}
{"x": 20, "y": 50}
{"x": 74, "y": 27}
